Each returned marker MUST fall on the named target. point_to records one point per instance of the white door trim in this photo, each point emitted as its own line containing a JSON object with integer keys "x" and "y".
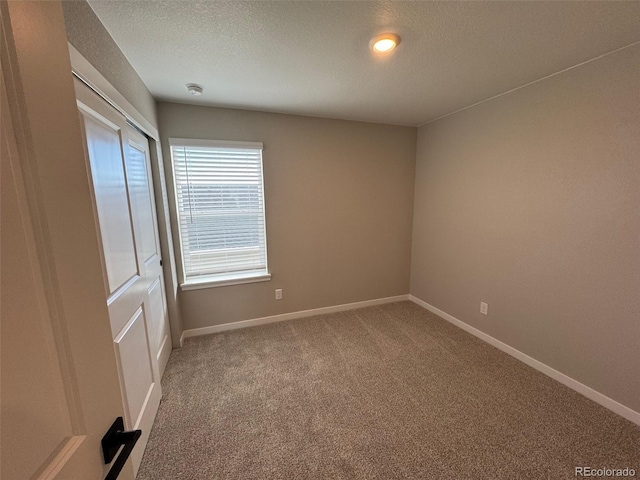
{"x": 89, "y": 75}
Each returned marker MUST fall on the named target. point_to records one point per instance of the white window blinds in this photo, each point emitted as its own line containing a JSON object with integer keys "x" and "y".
{"x": 220, "y": 201}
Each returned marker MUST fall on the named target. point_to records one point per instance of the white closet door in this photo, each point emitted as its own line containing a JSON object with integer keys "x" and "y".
{"x": 141, "y": 190}
{"x": 118, "y": 164}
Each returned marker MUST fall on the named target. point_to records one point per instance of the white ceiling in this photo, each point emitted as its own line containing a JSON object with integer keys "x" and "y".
{"x": 312, "y": 57}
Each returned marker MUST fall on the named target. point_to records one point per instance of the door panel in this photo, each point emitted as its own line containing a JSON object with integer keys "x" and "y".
{"x": 158, "y": 313}
{"x": 136, "y": 371}
{"x": 139, "y": 186}
{"x": 104, "y": 140}
{"x": 160, "y": 323}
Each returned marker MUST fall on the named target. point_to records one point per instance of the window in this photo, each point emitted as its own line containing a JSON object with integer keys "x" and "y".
{"x": 220, "y": 203}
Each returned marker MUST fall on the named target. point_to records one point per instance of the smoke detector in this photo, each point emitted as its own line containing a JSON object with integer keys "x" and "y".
{"x": 195, "y": 89}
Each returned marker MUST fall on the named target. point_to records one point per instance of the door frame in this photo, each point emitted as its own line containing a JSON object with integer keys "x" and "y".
{"x": 90, "y": 76}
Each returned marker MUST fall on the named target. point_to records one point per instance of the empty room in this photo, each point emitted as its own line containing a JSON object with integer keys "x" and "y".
{"x": 319, "y": 239}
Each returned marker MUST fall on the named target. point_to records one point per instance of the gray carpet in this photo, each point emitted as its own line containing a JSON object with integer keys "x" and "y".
{"x": 382, "y": 392}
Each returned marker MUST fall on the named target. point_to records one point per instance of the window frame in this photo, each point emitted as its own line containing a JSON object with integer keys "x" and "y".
{"x": 221, "y": 279}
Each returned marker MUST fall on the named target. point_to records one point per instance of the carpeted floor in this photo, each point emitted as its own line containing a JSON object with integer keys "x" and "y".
{"x": 382, "y": 392}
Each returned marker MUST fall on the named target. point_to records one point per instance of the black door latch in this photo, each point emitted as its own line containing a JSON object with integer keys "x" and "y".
{"x": 115, "y": 437}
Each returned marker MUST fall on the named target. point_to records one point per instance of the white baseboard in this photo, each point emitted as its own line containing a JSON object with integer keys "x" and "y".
{"x": 588, "y": 392}
{"x": 288, "y": 316}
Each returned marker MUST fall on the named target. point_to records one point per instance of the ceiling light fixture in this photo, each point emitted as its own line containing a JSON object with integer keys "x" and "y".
{"x": 195, "y": 89}
{"x": 384, "y": 43}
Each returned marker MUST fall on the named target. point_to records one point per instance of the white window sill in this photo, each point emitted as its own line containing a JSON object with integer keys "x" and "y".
{"x": 224, "y": 281}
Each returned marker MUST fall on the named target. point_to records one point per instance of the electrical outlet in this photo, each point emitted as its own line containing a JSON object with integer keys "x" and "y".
{"x": 484, "y": 308}
{"x": 278, "y": 294}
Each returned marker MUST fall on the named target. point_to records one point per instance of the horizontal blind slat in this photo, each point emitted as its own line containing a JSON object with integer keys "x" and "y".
{"x": 220, "y": 205}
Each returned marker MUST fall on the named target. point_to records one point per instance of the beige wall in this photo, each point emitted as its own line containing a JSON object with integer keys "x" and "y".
{"x": 531, "y": 203}
{"x": 339, "y": 202}
{"x": 87, "y": 34}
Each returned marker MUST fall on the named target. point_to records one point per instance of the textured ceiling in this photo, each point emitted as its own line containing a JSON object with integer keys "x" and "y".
{"x": 312, "y": 57}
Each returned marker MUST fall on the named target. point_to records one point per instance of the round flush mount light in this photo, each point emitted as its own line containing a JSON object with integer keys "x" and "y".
{"x": 195, "y": 89}
{"x": 384, "y": 43}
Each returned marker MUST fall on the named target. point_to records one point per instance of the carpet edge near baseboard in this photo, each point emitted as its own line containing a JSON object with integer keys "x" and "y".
{"x": 253, "y": 322}
{"x": 573, "y": 384}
